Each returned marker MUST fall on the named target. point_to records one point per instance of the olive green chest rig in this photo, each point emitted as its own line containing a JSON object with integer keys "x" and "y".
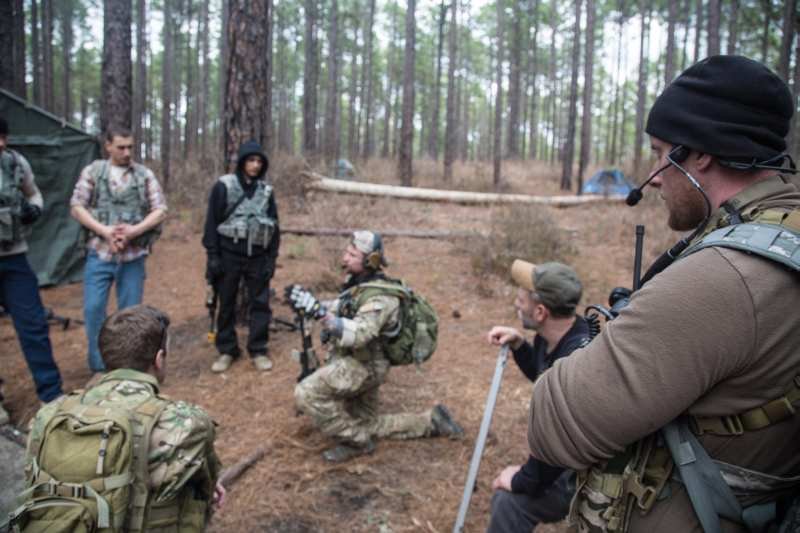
{"x": 128, "y": 205}
{"x": 247, "y": 218}
{"x": 10, "y": 198}
{"x": 609, "y": 493}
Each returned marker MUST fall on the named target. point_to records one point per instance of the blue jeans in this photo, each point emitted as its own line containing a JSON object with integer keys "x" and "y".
{"x": 98, "y": 275}
{"x": 19, "y": 294}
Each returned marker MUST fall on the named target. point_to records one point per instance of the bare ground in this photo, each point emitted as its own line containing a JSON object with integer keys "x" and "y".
{"x": 404, "y": 485}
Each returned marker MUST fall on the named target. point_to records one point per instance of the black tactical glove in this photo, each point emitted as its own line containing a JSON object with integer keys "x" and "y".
{"x": 214, "y": 268}
{"x": 30, "y": 213}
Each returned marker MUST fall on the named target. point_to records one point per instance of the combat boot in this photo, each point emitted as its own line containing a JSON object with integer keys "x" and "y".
{"x": 444, "y": 424}
{"x": 222, "y": 363}
{"x": 262, "y": 363}
{"x": 345, "y": 452}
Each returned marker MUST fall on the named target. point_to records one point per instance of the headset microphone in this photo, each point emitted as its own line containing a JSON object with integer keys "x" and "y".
{"x": 636, "y": 194}
{"x": 677, "y": 155}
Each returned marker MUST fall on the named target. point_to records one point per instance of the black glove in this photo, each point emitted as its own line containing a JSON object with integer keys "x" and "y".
{"x": 30, "y": 213}
{"x": 214, "y": 268}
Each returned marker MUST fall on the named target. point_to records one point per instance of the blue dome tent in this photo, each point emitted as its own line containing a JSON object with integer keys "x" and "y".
{"x": 608, "y": 182}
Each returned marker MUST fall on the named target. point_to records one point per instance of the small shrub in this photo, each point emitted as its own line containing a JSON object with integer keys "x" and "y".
{"x": 520, "y": 232}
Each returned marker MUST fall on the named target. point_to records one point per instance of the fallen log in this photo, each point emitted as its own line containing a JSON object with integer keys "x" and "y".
{"x": 232, "y": 473}
{"x": 414, "y": 234}
{"x": 321, "y": 183}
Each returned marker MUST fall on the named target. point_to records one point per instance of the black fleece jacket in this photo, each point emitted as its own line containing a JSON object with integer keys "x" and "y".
{"x": 537, "y": 476}
{"x": 216, "y": 244}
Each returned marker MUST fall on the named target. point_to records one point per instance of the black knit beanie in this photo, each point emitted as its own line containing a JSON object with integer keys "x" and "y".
{"x": 728, "y": 106}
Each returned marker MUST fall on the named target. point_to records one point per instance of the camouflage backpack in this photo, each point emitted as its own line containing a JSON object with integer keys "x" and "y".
{"x": 88, "y": 468}
{"x": 414, "y": 341}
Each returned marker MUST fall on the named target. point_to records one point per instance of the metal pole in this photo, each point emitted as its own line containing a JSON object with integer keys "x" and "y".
{"x": 480, "y": 443}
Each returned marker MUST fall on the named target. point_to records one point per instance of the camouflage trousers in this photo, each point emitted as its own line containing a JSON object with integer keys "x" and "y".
{"x": 342, "y": 400}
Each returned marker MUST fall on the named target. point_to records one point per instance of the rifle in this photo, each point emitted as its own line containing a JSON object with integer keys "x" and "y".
{"x": 620, "y": 296}
{"x": 307, "y": 356}
{"x": 211, "y": 305}
{"x": 480, "y": 443}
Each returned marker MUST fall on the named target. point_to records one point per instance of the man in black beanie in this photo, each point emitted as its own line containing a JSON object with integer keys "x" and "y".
{"x": 241, "y": 238}
{"x": 680, "y": 415}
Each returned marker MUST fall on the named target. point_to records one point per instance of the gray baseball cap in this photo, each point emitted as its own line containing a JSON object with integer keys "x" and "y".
{"x": 555, "y": 284}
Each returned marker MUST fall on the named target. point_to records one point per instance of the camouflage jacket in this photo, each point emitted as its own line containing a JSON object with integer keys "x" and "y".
{"x": 366, "y": 324}
{"x": 181, "y": 450}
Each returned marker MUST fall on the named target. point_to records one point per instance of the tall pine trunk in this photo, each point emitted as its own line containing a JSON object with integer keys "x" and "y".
{"x": 733, "y": 27}
{"x": 641, "y": 93}
{"x": 205, "y": 79}
{"x": 588, "y": 70}
{"x": 331, "y": 143}
{"x": 569, "y": 143}
{"x": 405, "y": 162}
{"x": 498, "y": 98}
{"x": 369, "y": 128}
{"x": 669, "y": 63}
{"x": 66, "y": 58}
{"x": 48, "y": 96}
{"x": 36, "y": 53}
{"x": 166, "y": 92}
{"x": 310, "y": 79}
{"x": 790, "y": 16}
{"x": 140, "y": 87}
{"x": 433, "y": 136}
{"x": 450, "y": 132}
{"x": 514, "y": 82}
{"x": 116, "y": 83}
{"x": 713, "y": 27}
{"x": 246, "y": 79}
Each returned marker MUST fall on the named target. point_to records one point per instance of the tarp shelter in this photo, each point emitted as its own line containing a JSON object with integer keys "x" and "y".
{"x": 57, "y": 152}
{"x": 608, "y": 182}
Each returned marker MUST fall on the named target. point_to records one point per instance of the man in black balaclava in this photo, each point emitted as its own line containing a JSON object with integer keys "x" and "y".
{"x": 241, "y": 238}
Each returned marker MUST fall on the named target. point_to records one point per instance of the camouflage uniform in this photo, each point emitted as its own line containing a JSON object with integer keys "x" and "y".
{"x": 181, "y": 453}
{"x": 342, "y": 396}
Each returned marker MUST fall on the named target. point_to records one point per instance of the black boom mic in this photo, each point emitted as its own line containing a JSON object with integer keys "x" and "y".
{"x": 636, "y": 194}
{"x": 678, "y": 154}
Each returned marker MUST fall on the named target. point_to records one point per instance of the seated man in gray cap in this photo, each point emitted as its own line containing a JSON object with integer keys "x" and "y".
{"x": 547, "y": 297}
{"x": 342, "y": 396}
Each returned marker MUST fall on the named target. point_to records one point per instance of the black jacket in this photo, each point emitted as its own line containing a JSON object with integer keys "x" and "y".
{"x": 216, "y": 244}
{"x": 536, "y": 476}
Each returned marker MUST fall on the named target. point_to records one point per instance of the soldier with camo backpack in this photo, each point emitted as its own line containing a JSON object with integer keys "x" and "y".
{"x": 241, "y": 238}
{"x": 121, "y": 206}
{"x": 376, "y": 322}
{"x": 120, "y": 456}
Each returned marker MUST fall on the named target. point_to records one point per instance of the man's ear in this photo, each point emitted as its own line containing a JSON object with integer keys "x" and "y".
{"x": 158, "y": 361}
{"x": 703, "y": 161}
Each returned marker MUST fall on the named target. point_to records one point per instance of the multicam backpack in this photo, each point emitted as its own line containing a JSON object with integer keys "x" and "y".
{"x": 88, "y": 467}
{"x": 414, "y": 340}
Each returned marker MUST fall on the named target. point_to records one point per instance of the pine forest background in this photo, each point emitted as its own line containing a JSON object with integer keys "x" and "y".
{"x": 567, "y": 83}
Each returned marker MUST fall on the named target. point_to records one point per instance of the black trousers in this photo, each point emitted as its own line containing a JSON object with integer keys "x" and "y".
{"x": 518, "y": 512}
{"x": 256, "y": 272}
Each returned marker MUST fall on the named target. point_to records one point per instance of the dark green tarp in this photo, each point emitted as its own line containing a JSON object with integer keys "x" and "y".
{"x": 57, "y": 152}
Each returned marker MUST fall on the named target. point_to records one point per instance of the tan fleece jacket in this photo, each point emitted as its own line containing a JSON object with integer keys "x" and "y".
{"x": 718, "y": 332}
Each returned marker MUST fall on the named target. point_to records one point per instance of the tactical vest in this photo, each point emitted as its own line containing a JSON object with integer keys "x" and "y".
{"x": 247, "y": 217}
{"x": 128, "y": 206}
{"x": 413, "y": 338}
{"x": 10, "y": 199}
{"x": 608, "y": 493}
{"x": 106, "y": 482}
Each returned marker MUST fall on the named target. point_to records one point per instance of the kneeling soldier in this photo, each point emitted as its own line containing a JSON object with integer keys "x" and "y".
{"x": 342, "y": 396}
{"x": 119, "y": 455}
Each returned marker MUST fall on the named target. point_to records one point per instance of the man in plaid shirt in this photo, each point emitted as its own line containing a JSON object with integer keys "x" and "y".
{"x": 121, "y": 206}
